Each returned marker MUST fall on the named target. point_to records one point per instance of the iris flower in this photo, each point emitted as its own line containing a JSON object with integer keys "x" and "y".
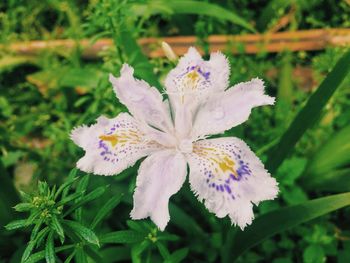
{"x": 173, "y": 133}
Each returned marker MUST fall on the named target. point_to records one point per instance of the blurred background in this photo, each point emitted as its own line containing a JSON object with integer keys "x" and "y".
{"x": 55, "y": 57}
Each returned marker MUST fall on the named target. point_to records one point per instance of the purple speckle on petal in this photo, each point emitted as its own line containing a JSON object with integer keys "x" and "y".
{"x": 228, "y": 189}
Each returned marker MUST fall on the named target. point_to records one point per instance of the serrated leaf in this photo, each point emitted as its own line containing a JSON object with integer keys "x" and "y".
{"x": 41, "y": 236}
{"x": 50, "y": 249}
{"x": 283, "y": 219}
{"x": 28, "y": 250}
{"x": 87, "y": 198}
{"x": 36, "y": 229}
{"x": 81, "y": 187}
{"x": 56, "y": 225}
{"x": 23, "y": 207}
{"x": 122, "y": 237}
{"x": 70, "y": 198}
{"x": 37, "y": 257}
{"x": 64, "y": 188}
{"x": 106, "y": 208}
{"x": 16, "y": 224}
{"x": 83, "y": 232}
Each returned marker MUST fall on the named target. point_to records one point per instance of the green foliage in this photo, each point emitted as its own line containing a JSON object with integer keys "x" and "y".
{"x": 310, "y": 112}
{"x": 284, "y": 218}
{"x": 48, "y": 210}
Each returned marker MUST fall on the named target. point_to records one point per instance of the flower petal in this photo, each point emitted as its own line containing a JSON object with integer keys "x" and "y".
{"x": 194, "y": 78}
{"x": 228, "y": 176}
{"x": 230, "y": 108}
{"x": 160, "y": 176}
{"x": 111, "y": 145}
{"x": 145, "y": 103}
{"x": 191, "y": 82}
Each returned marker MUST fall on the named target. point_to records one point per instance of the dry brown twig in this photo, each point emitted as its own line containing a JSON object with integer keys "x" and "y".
{"x": 303, "y": 40}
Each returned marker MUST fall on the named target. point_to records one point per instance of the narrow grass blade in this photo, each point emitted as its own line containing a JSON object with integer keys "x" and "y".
{"x": 309, "y": 113}
{"x": 208, "y": 9}
{"x": 283, "y": 219}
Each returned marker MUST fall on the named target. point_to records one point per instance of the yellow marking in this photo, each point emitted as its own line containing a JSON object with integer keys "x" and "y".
{"x": 221, "y": 159}
{"x": 131, "y": 137}
{"x": 193, "y": 76}
{"x": 113, "y": 139}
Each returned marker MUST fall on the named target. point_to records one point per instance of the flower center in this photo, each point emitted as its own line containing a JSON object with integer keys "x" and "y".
{"x": 185, "y": 146}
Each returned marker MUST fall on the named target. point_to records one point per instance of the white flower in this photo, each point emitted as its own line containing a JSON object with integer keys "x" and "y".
{"x": 223, "y": 172}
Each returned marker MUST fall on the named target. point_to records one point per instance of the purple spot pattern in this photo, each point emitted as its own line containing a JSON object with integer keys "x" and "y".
{"x": 203, "y": 82}
{"x": 119, "y": 152}
{"x": 221, "y": 183}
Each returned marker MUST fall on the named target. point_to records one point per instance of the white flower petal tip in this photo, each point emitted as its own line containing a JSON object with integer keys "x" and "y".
{"x": 229, "y": 178}
{"x": 160, "y": 176}
{"x": 257, "y": 83}
{"x": 194, "y": 79}
{"x": 144, "y": 102}
{"x": 111, "y": 145}
{"x": 229, "y": 108}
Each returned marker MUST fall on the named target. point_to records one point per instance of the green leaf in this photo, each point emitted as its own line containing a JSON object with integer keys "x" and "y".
{"x": 16, "y": 224}
{"x": 204, "y": 8}
{"x": 82, "y": 231}
{"x": 23, "y": 207}
{"x": 323, "y": 164}
{"x": 87, "y": 198}
{"x": 64, "y": 188}
{"x": 163, "y": 250}
{"x": 283, "y": 219}
{"x": 314, "y": 254}
{"x": 336, "y": 181}
{"x": 168, "y": 237}
{"x": 137, "y": 250}
{"x": 70, "y": 198}
{"x": 50, "y": 249}
{"x": 70, "y": 257}
{"x": 28, "y": 250}
{"x": 178, "y": 256}
{"x": 36, "y": 228}
{"x": 56, "y": 225}
{"x": 37, "y": 257}
{"x": 196, "y": 8}
{"x": 41, "y": 236}
{"x": 80, "y": 256}
{"x": 105, "y": 209}
{"x": 93, "y": 253}
{"x": 143, "y": 68}
{"x": 81, "y": 187}
{"x": 309, "y": 113}
{"x": 122, "y": 237}
{"x": 290, "y": 170}
{"x": 181, "y": 219}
